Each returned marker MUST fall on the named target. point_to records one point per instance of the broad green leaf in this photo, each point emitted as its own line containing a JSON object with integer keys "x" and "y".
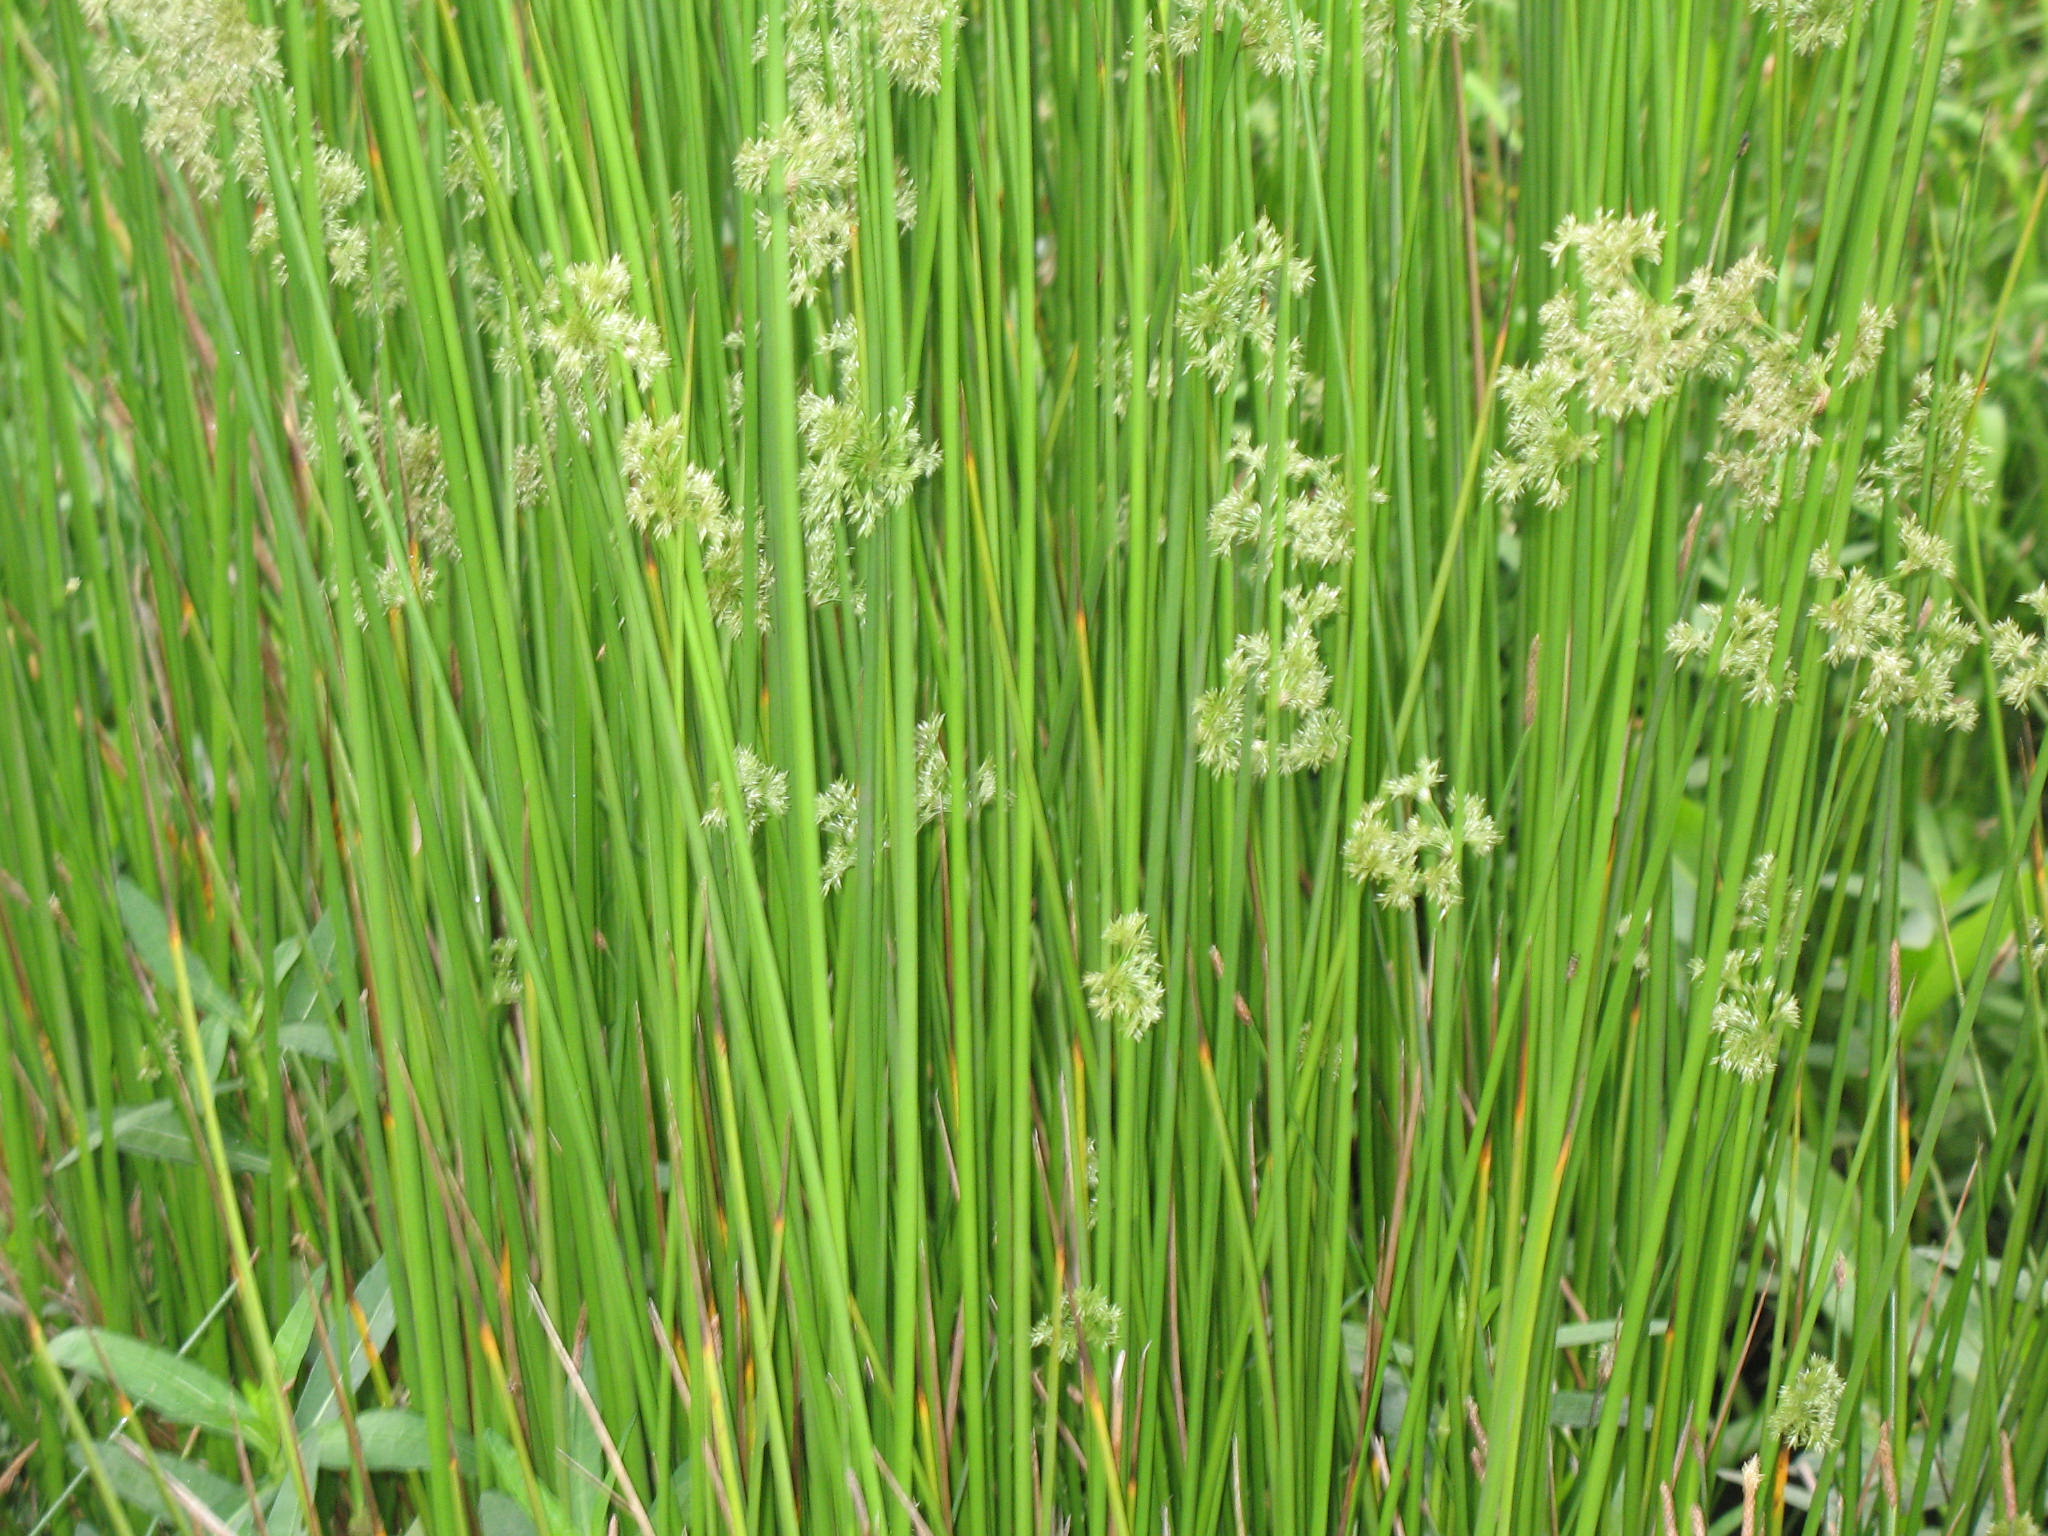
{"x": 392, "y": 1440}
{"x": 295, "y": 1333}
{"x": 498, "y": 1515}
{"x": 150, "y": 932}
{"x": 168, "y": 1385}
{"x": 129, "y": 1472}
{"x": 157, "y": 1130}
{"x": 355, "y": 1333}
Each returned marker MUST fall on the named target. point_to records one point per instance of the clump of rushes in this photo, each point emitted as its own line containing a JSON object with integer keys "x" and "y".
{"x": 1807, "y": 1405}
{"x": 1127, "y": 993}
{"x": 1402, "y": 844}
{"x": 1083, "y": 1315}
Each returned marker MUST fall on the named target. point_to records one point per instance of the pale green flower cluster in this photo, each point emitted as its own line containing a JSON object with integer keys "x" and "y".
{"x": 1311, "y": 520}
{"x": 764, "y": 791}
{"x": 837, "y": 811}
{"x": 1270, "y": 714}
{"x": 404, "y": 462}
{"x": 1739, "y": 641}
{"x": 1901, "y": 663}
{"x": 1813, "y": 24}
{"x": 2020, "y": 658}
{"x": 664, "y": 490}
{"x": 1935, "y": 454}
{"x": 186, "y": 65}
{"x": 934, "y": 797}
{"x": 860, "y": 466}
{"x": 1615, "y": 349}
{"x": 1428, "y": 21}
{"x": 1233, "y": 308}
{"x": 1279, "y": 39}
{"x": 1752, "y": 1018}
{"x": 1807, "y": 1406}
{"x": 1405, "y": 845}
{"x": 1127, "y": 993}
{"x": 585, "y": 323}
{"x": 25, "y": 177}
{"x": 1084, "y": 1315}
{"x": 480, "y": 160}
{"x": 910, "y": 39}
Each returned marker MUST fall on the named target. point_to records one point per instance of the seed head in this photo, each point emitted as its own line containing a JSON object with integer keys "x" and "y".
{"x": 1127, "y": 991}
{"x": 1807, "y": 1404}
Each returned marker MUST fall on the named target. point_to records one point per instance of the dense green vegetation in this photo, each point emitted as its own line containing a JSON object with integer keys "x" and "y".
{"x": 878, "y": 766}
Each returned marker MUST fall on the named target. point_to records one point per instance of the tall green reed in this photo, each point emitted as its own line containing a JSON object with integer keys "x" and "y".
{"x": 1159, "y": 767}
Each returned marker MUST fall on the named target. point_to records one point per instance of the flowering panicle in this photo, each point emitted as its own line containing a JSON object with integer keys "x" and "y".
{"x": 1288, "y": 679}
{"x": 1901, "y": 664}
{"x": 910, "y": 37}
{"x": 1127, "y": 991}
{"x": 818, "y": 151}
{"x": 1428, "y": 21}
{"x": 860, "y": 467}
{"x": 1739, "y": 641}
{"x": 934, "y": 798}
{"x": 1403, "y": 843}
{"x": 1812, "y": 24}
{"x": 585, "y": 323}
{"x": 1619, "y": 350}
{"x": 187, "y": 65}
{"x": 480, "y": 160}
{"x": 1314, "y": 522}
{"x": 764, "y": 791}
{"x": 837, "y": 811}
{"x": 1234, "y": 306}
{"x": 1278, "y": 39}
{"x": 664, "y": 490}
{"x": 26, "y": 177}
{"x": 1936, "y": 451}
{"x": 1084, "y": 1315}
{"x": 404, "y": 461}
{"x": 1808, "y": 1405}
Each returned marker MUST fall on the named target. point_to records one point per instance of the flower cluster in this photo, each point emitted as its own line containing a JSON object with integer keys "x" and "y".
{"x": 2019, "y": 657}
{"x": 664, "y": 490}
{"x": 1751, "y": 1019}
{"x": 1084, "y": 1315}
{"x": 1901, "y": 665}
{"x": 25, "y": 177}
{"x": 1313, "y": 518}
{"x": 480, "y": 161}
{"x": 1813, "y": 24}
{"x": 1807, "y": 1406}
{"x": 837, "y": 811}
{"x": 1264, "y": 680}
{"x": 1739, "y": 641}
{"x": 1277, "y": 37}
{"x": 585, "y": 322}
{"x": 764, "y": 791}
{"x": 860, "y": 466}
{"x": 1402, "y": 843}
{"x": 404, "y": 463}
{"x": 1935, "y": 452}
{"x": 1621, "y": 351}
{"x": 1428, "y": 20}
{"x": 934, "y": 797}
{"x": 910, "y": 38}
{"x": 1234, "y": 307}
{"x": 1127, "y": 991}
{"x": 184, "y": 64}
